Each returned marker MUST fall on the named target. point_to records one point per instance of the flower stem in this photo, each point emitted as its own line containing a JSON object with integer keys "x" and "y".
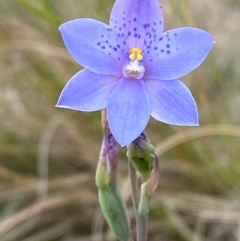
{"x": 135, "y": 195}
{"x": 147, "y": 190}
{"x": 141, "y": 222}
{"x": 134, "y": 186}
{"x": 141, "y": 203}
{"x": 111, "y": 149}
{"x": 142, "y": 229}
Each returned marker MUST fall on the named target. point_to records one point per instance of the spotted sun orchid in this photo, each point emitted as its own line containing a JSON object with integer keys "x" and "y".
{"x": 131, "y": 68}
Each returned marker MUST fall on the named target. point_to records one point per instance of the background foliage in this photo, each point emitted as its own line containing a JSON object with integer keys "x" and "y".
{"x": 198, "y": 197}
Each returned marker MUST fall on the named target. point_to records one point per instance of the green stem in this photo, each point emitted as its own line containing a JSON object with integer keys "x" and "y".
{"x": 134, "y": 186}
{"x": 141, "y": 221}
{"x": 147, "y": 190}
{"x": 142, "y": 229}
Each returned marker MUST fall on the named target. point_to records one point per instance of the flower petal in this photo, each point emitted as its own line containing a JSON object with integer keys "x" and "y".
{"x": 94, "y": 45}
{"x": 172, "y": 102}
{"x": 87, "y": 91}
{"x": 128, "y": 110}
{"x": 137, "y": 21}
{"x": 177, "y": 53}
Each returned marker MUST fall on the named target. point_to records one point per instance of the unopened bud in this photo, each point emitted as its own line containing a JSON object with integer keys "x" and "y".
{"x": 110, "y": 198}
{"x": 114, "y": 211}
{"x": 141, "y": 154}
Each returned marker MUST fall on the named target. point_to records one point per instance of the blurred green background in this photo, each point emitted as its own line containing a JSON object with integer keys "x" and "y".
{"x": 48, "y": 156}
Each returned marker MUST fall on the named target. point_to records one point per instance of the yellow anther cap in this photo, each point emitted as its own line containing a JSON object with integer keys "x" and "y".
{"x": 135, "y": 54}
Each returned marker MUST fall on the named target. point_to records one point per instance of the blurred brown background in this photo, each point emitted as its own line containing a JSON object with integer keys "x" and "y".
{"x": 48, "y": 156}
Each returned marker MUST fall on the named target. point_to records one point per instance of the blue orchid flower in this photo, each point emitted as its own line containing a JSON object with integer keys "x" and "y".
{"x": 132, "y": 68}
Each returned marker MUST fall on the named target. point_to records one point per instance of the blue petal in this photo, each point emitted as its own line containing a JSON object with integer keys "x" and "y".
{"x": 138, "y": 22}
{"x": 87, "y": 91}
{"x": 177, "y": 53}
{"x": 94, "y": 45}
{"x": 128, "y": 110}
{"x": 172, "y": 102}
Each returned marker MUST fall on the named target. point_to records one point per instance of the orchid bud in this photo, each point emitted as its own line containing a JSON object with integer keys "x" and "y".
{"x": 114, "y": 211}
{"x": 110, "y": 198}
{"x": 141, "y": 154}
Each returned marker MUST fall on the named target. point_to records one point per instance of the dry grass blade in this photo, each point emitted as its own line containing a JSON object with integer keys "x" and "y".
{"x": 184, "y": 136}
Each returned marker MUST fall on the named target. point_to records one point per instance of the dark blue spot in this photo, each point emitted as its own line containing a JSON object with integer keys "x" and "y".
{"x": 115, "y": 49}
{"x": 118, "y": 46}
{"x": 175, "y": 34}
{"x": 122, "y": 34}
{"x": 148, "y": 47}
{"x": 134, "y": 19}
{"x": 162, "y": 50}
{"x": 98, "y": 43}
{"x": 120, "y": 29}
{"x": 119, "y": 35}
{"x": 151, "y": 60}
{"x": 145, "y": 25}
{"x": 154, "y": 23}
{"x": 155, "y": 48}
{"x": 119, "y": 58}
{"x": 110, "y": 46}
{"x": 129, "y": 33}
{"x": 168, "y": 46}
{"x": 124, "y": 25}
{"x": 168, "y": 52}
{"x": 160, "y": 39}
{"x": 135, "y": 35}
{"x": 106, "y": 41}
{"x": 139, "y": 36}
{"x": 103, "y": 47}
{"x": 168, "y": 39}
{"x": 135, "y": 29}
{"x": 102, "y": 36}
{"x": 147, "y": 52}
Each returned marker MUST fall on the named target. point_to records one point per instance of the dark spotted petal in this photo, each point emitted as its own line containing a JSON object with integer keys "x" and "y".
{"x": 176, "y": 53}
{"x": 94, "y": 45}
{"x": 137, "y": 21}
